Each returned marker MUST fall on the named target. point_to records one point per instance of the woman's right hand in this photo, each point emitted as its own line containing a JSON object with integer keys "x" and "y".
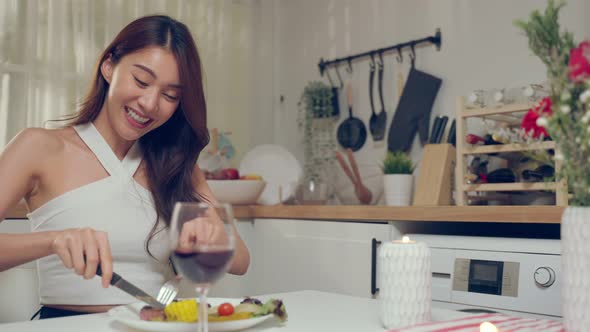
{"x": 82, "y": 249}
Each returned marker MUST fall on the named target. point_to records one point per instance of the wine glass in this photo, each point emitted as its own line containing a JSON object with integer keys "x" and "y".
{"x": 203, "y": 242}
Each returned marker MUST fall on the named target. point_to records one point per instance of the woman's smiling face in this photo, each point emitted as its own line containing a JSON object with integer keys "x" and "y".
{"x": 144, "y": 91}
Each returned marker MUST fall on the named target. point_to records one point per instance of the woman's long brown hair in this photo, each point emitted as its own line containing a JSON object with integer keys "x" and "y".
{"x": 170, "y": 152}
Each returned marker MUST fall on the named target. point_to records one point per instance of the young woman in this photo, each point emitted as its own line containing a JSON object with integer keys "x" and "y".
{"x": 101, "y": 190}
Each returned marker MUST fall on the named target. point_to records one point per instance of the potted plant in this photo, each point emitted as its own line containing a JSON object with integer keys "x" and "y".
{"x": 317, "y": 118}
{"x": 398, "y": 181}
{"x": 565, "y": 115}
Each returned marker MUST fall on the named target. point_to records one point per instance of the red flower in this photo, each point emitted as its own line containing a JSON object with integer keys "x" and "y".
{"x": 529, "y": 121}
{"x": 579, "y": 65}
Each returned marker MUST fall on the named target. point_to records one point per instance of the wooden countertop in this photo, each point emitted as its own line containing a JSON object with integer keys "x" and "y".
{"x": 501, "y": 214}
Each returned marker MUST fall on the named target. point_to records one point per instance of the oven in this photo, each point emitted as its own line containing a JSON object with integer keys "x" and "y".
{"x": 484, "y": 274}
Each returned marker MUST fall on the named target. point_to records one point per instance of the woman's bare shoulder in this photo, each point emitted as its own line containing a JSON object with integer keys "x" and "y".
{"x": 51, "y": 143}
{"x": 40, "y": 141}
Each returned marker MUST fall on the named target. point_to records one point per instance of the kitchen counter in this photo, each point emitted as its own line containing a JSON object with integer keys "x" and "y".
{"x": 501, "y": 214}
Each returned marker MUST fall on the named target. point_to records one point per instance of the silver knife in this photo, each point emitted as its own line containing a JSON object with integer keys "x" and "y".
{"x": 132, "y": 290}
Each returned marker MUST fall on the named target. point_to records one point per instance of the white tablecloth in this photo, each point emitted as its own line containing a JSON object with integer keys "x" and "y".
{"x": 308, "y": 311}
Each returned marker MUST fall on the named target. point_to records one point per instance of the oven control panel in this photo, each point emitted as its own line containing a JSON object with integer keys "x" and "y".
{"x": 486, "y": 277}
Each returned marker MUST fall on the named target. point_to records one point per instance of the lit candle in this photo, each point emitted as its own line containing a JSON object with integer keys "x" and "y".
{"x": 405, "y": 239}
{"x": 487, "y": 327}
{"x": 404, "y": 283}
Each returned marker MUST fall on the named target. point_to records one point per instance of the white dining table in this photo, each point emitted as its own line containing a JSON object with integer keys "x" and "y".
{"x": 308, "y": 311}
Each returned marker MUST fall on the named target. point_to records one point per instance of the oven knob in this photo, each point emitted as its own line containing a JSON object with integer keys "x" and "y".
{"x": 544, "y": 276}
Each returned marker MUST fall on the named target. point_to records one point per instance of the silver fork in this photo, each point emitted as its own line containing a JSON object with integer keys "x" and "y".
{"x": 168, "y": 291}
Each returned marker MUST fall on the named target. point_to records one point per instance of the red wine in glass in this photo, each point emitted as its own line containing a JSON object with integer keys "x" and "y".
{"x": 202, "y": 267}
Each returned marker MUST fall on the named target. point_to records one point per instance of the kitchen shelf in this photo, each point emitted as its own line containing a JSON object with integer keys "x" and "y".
{"x": 504, "y": 148}
{"x": 516, "y": 186}
{"x": 508, "y": 113}
{"x": 507, "y": 214}
{"x": 488, "y": 111}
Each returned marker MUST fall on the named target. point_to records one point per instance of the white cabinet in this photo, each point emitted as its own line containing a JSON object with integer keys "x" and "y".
{"x": 19, "y": 285}
{"x": 290, "y": 255}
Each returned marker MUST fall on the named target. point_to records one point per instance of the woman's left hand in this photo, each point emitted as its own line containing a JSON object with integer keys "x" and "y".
{"x": 206, "y": 230}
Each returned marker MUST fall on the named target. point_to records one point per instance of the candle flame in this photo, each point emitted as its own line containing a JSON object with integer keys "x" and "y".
{"x": 487, "y": 327}
{"x": 406, "y": 239}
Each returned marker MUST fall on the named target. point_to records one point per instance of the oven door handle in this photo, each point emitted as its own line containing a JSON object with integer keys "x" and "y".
{"x": 374, "y": 244}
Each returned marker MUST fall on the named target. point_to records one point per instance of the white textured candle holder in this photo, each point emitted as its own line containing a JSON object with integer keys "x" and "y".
{"x": 404, "y": 284}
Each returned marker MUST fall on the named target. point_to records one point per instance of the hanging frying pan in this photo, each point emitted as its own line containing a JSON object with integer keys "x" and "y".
{"x": 351, "y": 132}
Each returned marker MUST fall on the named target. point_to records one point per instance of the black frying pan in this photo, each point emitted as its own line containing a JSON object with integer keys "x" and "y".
{"x": 351, "y": 132}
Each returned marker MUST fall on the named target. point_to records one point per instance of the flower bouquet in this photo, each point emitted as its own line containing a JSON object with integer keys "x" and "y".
{"x": 565, "y": 116}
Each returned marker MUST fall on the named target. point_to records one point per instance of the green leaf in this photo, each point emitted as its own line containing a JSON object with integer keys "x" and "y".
{"x": 397, "y": 163}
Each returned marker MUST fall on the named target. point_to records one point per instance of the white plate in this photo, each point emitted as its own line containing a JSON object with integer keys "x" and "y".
{"x": 278, "y": 167}
{"x": 129, "y": 315}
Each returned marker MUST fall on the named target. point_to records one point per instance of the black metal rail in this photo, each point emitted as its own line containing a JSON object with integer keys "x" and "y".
{"x": 435, "y": 40}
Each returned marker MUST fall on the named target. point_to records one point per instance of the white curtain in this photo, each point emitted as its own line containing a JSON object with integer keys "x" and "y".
{"x": 48, "y": 49}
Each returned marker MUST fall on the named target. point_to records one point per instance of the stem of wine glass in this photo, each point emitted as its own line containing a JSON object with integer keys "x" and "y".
{"x": 203, "y": 309}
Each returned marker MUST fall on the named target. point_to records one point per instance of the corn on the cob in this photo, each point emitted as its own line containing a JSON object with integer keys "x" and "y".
{"x": 188, "y": 311}
{"x": 182, "y": 311}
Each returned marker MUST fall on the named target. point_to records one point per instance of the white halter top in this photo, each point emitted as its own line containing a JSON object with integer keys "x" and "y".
{"x": 117, "y": 205}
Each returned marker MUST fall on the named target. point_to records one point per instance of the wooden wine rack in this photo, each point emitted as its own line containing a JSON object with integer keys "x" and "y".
{"x": 511, "y": 114}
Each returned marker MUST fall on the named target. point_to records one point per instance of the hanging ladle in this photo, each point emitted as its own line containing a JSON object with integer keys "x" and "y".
{"x": 373, "y": 128}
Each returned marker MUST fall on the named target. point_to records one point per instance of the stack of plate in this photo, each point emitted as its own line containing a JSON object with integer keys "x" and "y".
{"x": 278, "y": 167}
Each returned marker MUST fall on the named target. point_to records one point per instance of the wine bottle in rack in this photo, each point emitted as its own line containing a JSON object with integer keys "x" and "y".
{"x": 487, "y": 139}
{"x": 501, "y": 175}
{"x": 538, "y": 174}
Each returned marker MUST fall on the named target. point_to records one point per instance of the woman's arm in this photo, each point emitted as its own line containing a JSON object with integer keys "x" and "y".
{"x": 17, "y": 176}
{"x": 241, "y": 259}
{"x": 80, "y": 249}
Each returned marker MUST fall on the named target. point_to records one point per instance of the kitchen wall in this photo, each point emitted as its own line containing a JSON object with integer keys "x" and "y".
{"x": 481, "y": 48}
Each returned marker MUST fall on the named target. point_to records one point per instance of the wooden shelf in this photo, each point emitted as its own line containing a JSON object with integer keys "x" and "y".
{"x": 516, "y": 186}
{"x": 505, "y": 214}
{"x": 503, "y": 148}
{"x": 487, "y": 111}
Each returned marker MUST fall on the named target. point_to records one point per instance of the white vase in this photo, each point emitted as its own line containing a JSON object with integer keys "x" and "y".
{"x": 398, "y": 189}
{"x": 575, "y": 257}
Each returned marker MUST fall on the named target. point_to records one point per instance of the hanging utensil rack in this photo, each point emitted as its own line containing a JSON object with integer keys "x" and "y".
{"x": 435, "y": 40}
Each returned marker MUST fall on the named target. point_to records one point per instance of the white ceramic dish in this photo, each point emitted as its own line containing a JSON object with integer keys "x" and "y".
{"x": 237, "y": 191}
{"x": 129, "y": 316}
{"x": 278, "y": 167}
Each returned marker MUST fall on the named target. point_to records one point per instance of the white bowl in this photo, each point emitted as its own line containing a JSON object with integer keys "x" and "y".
{"x": 237, "y": 191}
